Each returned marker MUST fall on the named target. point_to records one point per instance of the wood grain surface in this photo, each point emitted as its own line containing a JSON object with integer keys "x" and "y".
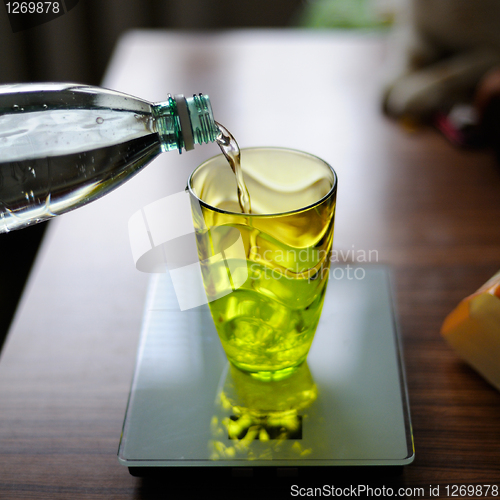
{"x": 429, "y": 210}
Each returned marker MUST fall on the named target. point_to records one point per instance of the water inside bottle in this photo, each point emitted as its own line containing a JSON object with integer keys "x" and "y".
{"x": 51, "y": 163}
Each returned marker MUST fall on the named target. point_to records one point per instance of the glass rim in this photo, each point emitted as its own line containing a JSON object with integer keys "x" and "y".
{"x": 332, "y": 190}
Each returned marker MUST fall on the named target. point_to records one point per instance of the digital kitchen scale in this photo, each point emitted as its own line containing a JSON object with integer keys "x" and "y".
{"x": 347, "y": 406}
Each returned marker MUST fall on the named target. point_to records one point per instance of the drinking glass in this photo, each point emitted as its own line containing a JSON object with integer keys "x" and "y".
{"x": 265, "y": 273}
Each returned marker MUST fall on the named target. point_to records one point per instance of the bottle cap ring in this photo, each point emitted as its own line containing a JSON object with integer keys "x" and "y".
{"x": 183, "y": 112}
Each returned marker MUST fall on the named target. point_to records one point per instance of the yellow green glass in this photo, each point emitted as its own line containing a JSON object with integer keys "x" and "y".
{"x": 267, "y": 312}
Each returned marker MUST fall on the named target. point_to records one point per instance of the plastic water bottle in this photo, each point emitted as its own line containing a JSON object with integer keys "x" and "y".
{"x": 64, "y": 145}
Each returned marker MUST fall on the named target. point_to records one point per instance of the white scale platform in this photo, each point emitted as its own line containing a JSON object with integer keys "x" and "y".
{"x": 360, "y": 416}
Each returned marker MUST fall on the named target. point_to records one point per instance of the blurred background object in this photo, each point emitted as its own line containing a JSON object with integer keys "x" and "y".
{"x": 349, "y": 14}
{"x": 442, "y": 51}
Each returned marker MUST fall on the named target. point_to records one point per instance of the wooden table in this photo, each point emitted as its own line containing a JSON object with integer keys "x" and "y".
{"x": 429, "y": 210}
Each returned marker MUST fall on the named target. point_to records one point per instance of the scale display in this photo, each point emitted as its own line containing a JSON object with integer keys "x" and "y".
{"x": 347, "y": 405}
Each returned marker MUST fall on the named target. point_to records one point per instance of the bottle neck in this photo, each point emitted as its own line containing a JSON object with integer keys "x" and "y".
{"x": 183, "y": 122}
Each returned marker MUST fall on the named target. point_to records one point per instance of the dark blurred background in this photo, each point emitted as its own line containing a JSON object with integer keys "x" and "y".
{"x": 77, "y": 45}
